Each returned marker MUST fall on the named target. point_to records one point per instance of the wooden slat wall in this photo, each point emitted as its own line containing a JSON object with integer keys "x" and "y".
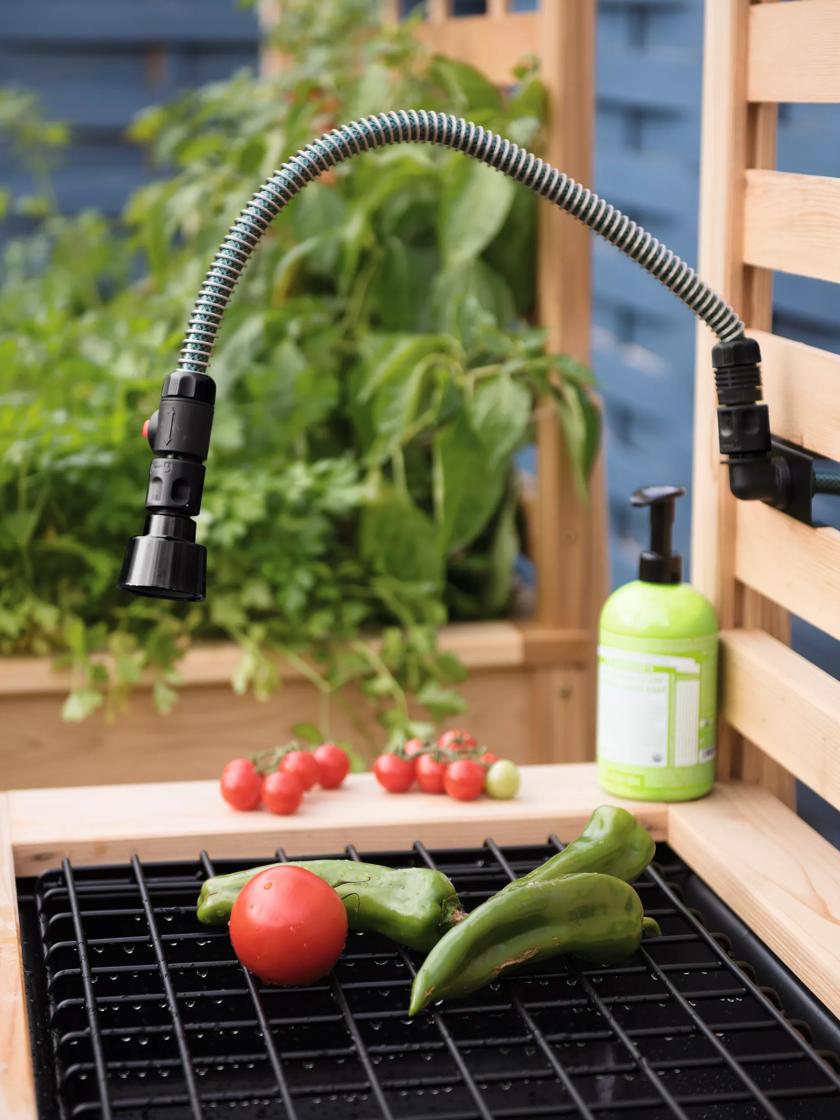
{"x": 782, "y": 713}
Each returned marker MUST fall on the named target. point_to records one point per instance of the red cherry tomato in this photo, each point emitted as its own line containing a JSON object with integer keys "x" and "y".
{"x": 413, "y": 747}
{"x": 303, "y": 765}
{"x": 333, "y": 765}
{"x": 288, "y": 926}
{"x": 430, "y": 773}
{"x": 488, "y": 758}
{"x": 457, "y": 741}
{"x": 282, "y": 793}
{"x": 240, "y": 784}
{"x": 464, "y": 779}
{"x": 394, "y": 773}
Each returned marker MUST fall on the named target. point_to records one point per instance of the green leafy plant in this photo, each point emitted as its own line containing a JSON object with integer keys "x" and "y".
{"x": 376, "y": 375}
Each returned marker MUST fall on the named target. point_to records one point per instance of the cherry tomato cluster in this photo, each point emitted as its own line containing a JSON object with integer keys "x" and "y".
{"x": 278, "y": 779}
{"x": 455, "y": 764}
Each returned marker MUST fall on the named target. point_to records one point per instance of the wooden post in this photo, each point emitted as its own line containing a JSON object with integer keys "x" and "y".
{"x": 570, "y": 531}
{"x": 735, "y": 136}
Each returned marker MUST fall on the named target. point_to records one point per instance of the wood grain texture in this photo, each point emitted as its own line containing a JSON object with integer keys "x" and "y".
{"x": 792, "y": 223}
{"x": 792, "y": 708}
{"x": 776, "y": 873}
{"x": 797, "y": 566}
{"x": 17, "y": 1092}
{"x": 210, "y": 725}
{"x": 723, "y": 161}
{"x": 735, "y": 136}
{"x": 564, "y": 40}
{"x": 793, "y": 52}
{"x": 480, "y": 645}
{"x": 802, "y": 387}
{"x": 172, "y": 821}
{"x": 492, "y": 43}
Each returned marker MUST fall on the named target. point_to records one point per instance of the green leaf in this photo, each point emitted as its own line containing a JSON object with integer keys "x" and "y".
{"x": 465, "y": 84}
{"x": 308, "y": 732}
{"x": 499, "y": 412}
{"x": 476, "y": 202}
{"x": 467, "y": 487}
{"x": 80, "y": 703}
{"x": 399, "y": 540}
{"x": 440, "y": 701}
{"x": 581, "y": 422}
{"x": 503, "y": 553}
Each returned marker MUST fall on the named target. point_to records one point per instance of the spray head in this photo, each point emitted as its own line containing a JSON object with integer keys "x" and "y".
{"x": 165, "y": 562}
{"x": 659, "y": 564}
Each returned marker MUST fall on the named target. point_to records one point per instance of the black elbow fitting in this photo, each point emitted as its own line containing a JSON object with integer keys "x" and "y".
{"x": 165, "y": 562}
{"x": 755, "y": 473}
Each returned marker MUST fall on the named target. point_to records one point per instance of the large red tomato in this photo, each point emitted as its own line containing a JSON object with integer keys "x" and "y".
{"x": 288, "y": 926}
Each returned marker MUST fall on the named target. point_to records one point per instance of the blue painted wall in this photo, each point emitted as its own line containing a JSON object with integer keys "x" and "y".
{"x": 96, "y": 63}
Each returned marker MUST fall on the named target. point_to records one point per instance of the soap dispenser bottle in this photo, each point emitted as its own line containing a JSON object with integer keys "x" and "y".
{"x": 657, "y": 674}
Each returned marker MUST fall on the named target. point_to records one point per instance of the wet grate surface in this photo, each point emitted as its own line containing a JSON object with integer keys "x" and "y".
{"x": 139, "y": 1012}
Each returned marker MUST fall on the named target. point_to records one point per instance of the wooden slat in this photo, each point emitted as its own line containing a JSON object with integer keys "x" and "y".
{"x": 17, "y": 1092}
{"x": 734, "y": 136}
{"x": 786, "y": 705}
{"x": 480, "y": 645}
{"x": 792, "y": 223}
{"x": 802, "y": 388}
{"x": 791, "y": 563}
{"x": 723, "y": 144}
{"x": 776, "y": 873}
{"x": 493, "y": 44}
{"x": 565, "y": 40}
{"x": 176, "y": 820}
{"x": 793, "y": 52}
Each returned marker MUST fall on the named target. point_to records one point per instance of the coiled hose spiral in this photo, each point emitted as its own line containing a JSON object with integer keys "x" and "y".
{"x": 418, "y": 126}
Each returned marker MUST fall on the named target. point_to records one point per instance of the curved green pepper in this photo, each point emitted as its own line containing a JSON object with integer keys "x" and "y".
{"x": 598, "y": 917}
{"x": 613, "y": 843}
{"x": 413, "y": 906}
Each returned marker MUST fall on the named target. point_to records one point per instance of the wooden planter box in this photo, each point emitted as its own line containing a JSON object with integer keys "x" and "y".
{"x": 526, "y": 694}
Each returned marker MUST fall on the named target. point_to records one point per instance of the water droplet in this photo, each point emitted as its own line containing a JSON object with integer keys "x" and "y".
{"x": 128, "y": 949}
{"x": 141, "y": 1041}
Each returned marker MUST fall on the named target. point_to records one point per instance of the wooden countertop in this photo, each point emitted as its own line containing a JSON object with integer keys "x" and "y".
{"x": 774, "y": 871}
{"x": 100, "y": 824}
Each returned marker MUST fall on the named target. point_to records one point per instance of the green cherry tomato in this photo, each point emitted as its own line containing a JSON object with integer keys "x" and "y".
{"x": 502, "y": 781}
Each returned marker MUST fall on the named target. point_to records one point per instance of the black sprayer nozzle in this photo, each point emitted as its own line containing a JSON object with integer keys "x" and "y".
{"x": 659, "y": 564}
{"x": 165, "y": 562}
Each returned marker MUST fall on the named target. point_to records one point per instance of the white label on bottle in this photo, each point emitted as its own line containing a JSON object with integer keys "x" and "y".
{"x": 648, "y": 708}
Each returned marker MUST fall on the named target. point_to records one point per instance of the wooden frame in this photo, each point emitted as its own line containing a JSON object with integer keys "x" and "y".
{"x": 770, "y": 867}
{"x": 781, "y": 713}
{"x": 531, "y": 685}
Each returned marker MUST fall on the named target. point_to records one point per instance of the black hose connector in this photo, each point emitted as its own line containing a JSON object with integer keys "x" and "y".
{"x": 165, "y": 562}
{"x": 755, "y": 473}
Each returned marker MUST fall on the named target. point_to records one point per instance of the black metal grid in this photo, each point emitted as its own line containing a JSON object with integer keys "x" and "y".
{"x": 140, "y": 1012}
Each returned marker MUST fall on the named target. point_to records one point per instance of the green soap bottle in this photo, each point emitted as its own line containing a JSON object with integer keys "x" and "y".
{"x": 657, "y": 674}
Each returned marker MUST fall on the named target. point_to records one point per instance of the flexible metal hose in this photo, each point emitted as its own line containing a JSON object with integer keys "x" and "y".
{"x": 419, "y": 126}
{"x": 827, "y": 479}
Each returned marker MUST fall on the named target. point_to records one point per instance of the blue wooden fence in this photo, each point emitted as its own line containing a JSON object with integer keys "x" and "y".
{"x": 96, "y": 63}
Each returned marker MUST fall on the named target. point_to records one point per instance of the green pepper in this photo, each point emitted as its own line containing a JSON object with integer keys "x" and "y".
{"x": 613, "y": 843}
{"x": 598, "y": 917}
{"x": 413, "y": 906}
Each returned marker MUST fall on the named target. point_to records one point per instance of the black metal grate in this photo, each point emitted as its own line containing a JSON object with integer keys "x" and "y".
{"x": 142, "y": 1013}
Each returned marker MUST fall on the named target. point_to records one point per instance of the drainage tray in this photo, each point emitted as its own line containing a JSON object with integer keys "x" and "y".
{"x": 136, "y": 1012}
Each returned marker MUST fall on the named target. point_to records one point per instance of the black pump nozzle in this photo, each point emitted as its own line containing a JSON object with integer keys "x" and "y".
{"x": 659, "y": 564}
{"x": 165, "y": 562}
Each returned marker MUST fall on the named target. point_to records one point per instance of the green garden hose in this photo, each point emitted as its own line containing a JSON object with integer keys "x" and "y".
{"x": 418, "y": 126}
